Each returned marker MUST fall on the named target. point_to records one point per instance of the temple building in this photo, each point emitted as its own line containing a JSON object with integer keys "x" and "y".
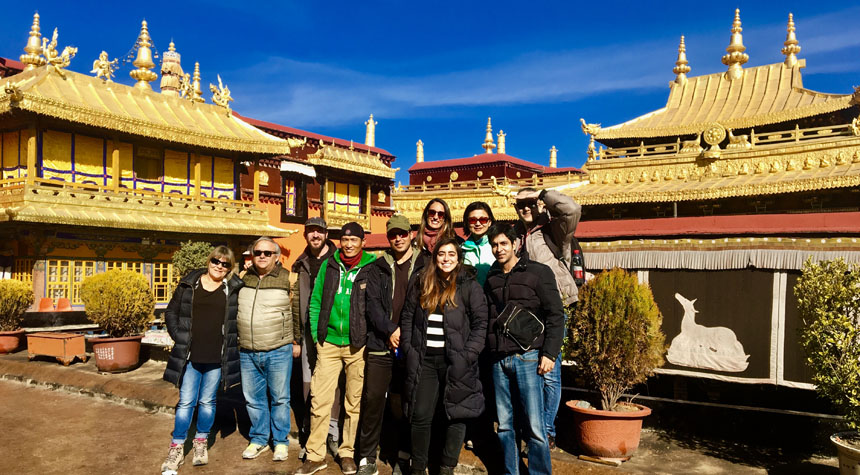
{"x": 98, "y": 175}
{"x": 460, "y": 181}
{"x": 716, "y": 200}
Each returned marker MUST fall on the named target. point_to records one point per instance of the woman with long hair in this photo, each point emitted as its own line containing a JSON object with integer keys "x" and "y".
{"x": 435, "y": 226}
{"x": 443, "y": 330}
{"x": 201, "y": 320}
{"x": 477, "y": 253}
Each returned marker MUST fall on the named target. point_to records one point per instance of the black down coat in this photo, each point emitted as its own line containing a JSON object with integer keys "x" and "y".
{"x": 178, "y": 319}
{"x": 465, "y": 334}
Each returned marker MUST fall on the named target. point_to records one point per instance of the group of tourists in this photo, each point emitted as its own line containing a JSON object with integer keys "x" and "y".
{"x": 436, "y": 338}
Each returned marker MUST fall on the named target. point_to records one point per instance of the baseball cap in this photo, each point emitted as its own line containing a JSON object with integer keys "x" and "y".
{"x": 398, "y": 221}
{"x": 316, "y": 221}
{"x": 352, "y": 229}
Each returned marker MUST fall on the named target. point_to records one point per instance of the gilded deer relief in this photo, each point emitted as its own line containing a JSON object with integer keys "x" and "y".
{"x": 698, "y": 346}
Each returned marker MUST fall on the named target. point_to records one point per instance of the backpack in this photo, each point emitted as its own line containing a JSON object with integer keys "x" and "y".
{"x": 557, "y": 252}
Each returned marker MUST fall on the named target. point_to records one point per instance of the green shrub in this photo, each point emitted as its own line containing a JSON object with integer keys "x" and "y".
{"x": 191, "y": 255}
{"x": 15, "y": 298}
{"x": 828, "y": 300}
{"x": 614, "y": 335}
{"x": 119, "y": 301}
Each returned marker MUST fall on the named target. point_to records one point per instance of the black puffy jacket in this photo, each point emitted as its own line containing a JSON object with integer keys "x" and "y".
{"x": 380, "y": 297}
{"x": 531, "y": 285}
{"x": 178, "y": 319}
{"x": 465, "y": 334}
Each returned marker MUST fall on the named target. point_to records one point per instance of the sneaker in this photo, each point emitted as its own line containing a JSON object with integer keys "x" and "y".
{"x": 443, "y": 470}
{"x": 174, "y": 459}
{"x": 368, "y": 469}
{"x": 280, "y": 453}
{"x": 254, "y": 450}
{"x": 470, "y": 445}
{"x": 400, "y": 468}
{"x": 201, "y": 452}
{"x": 347, "y": 466}
{"x": 309, "y": 468}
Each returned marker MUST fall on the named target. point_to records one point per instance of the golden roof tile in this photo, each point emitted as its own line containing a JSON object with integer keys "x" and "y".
{"x": 90, "y": 101}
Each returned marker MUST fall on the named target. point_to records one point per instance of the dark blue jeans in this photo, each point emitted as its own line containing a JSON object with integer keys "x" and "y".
{"x": 519, "y": 390}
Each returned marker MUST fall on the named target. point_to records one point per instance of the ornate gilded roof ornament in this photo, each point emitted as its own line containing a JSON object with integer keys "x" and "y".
{"x": 143, "y": 61}
{"x": 553, "y": 157}
{"x": 33, "y": 57}
{"x": 488, "y": 144}
{"x": 501, "y": 135}
{"x": 736, "y": 57}
{"x": 792, "y": 47}
{"x": 419, "y": 151}
{"x": 13, "y": 90}
{"x": 220, "y": 94}
{"x": 103, "y": 67}
{"x": 370, "y": 133}
{"x": 172, "y": 75}
{"x": 57, "y": 60}
{"x": 590, "y": 130}
{"x": 192, "y": 91}
{"x": 681, "y": 65}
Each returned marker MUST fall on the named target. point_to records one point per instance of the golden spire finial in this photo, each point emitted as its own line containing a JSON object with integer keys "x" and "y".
{"x": 681, "y": 65}
{"x": 501, "y": 136}
{"x": 736, "y": 56}
{"x": 553, "y": 157}
{"x": 172, "y": 75}
{"x": 488, "y": 144}
{"x": 419, "y": 151}
{"x": 196, "y": 92}
{"x": 33, "y": 59}
{"x": 792, "y": 48}
{"x": 370, "y": 133}
{"x": 143, "y": 61}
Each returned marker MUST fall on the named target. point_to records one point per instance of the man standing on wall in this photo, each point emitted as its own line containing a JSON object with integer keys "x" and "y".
{"x": 548, "y": 221}
{"x": 318, "y": 249}
{"x": 269, "y": 339}
{"x": 339, "y": 329}
{"x": 387, "y": 281}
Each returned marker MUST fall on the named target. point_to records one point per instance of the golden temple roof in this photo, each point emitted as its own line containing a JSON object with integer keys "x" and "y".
{"x": 763, "y": 95}
{"x": 352, "y": 160}
{"x": 87, "y": 100}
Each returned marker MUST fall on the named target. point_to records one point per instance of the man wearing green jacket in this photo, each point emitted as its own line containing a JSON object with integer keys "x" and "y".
{"x": 339, "y": 330}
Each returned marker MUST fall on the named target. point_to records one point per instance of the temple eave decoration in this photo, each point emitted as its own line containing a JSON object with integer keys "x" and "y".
{"x": 350, "y": 160}
{"x": 87, "y": 100}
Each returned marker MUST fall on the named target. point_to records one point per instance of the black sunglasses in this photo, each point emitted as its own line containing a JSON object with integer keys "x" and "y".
{"x": 397, "y": 233}
{"x": 216, "y": 262}
{"x": 433, "y": 213}
{"x": 258, "y": 253}
{"x": 523, "y": 204}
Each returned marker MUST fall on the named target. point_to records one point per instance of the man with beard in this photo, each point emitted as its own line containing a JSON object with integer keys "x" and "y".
{"x": 318, "y": 249}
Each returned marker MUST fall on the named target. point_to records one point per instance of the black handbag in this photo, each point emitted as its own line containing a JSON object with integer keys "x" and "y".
{"x": 520, "y": 325}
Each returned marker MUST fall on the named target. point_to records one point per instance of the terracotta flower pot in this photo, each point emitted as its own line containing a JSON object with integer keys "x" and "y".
{"x": 609, "y": 434}
{"x": 10, "y": 341}
{"x": 116, "y": 355}
{"x": 849, "y": 453}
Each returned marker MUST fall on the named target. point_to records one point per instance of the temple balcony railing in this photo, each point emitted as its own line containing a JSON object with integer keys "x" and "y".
{"x": 336, "y": 219}
{"x": 736, "y": 143}
{"x": 39, "y": 200}
{"x": 501, "y": 185}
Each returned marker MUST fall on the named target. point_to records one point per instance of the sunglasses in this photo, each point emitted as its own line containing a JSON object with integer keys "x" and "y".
{"x": 431, "y": 213}
{"x": 523, "y": 204}
{"x": 397, "y": 233}
{"x": 258, "y": 253}
{"x": 216, "y": 262}
{"x": 483, "y": 220}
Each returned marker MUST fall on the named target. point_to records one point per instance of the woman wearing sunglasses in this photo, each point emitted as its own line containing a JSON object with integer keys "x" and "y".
{"x": 477, "y": 219}
{"x": 201, "y": 320}
{"x": 443, "y": 329}
{"x": 435, "y": 227}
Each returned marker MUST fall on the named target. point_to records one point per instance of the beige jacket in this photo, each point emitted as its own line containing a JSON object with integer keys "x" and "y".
{"x": 265, "y": 319}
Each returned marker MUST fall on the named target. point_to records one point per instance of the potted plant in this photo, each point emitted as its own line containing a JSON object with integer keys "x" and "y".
{"x": 120, "y": 302}
{"x": 615, "y": 340}
{"x": 828, "y": 300}
{"x": 15, "y": 298}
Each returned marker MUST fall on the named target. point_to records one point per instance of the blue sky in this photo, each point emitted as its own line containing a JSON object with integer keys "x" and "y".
{"x": 437, "y": 70}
